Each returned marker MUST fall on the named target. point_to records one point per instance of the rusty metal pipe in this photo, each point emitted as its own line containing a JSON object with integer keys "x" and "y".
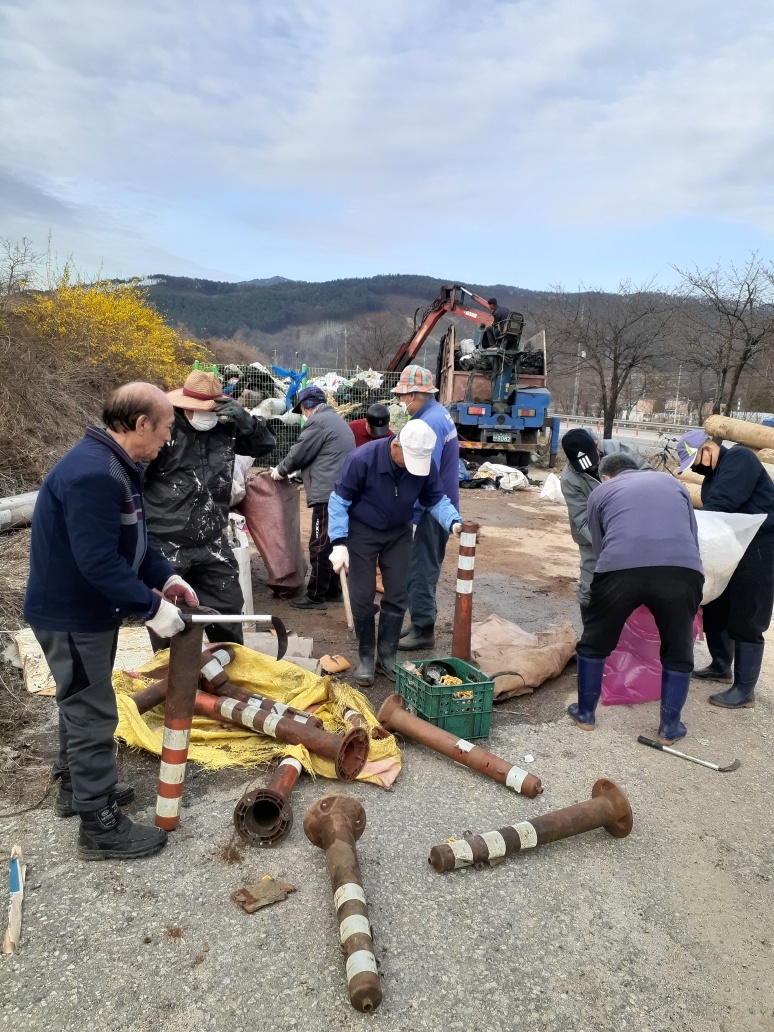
{"x": 394, "y": 717}
{"x": 358, "y": 720}
{"x": 334, "y": 824}
{"x": 185, "y": 659}
{"x": 348, "y": 753}
{"x": 263, "y": 816}
{"x": 608, "y": 808}
{"x": 152, "y": 696}
{"x": 463, "y": 605}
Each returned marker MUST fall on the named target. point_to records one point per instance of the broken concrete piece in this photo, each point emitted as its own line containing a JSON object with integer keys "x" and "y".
{"x": 261, "y": 894}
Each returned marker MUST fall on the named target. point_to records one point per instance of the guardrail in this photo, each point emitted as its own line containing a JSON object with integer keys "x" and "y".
{"x": 634, "y": 425}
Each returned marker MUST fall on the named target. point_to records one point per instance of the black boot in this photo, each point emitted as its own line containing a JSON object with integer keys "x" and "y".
{"x": 107, "y": 834}
{"x": 63, "y": 804}
{"x": 366, "y": 651}
{"x": 748, "y": 657}
{"x": 387, "y": 643}
{"x": 674, "y": 692}
{"x": 721, "y": 649}
{"x": 417, "y": 638}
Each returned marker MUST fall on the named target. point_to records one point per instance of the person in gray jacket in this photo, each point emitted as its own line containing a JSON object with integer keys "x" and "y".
{"x": 580, "y": 476}
{"x": 323, "y": 444}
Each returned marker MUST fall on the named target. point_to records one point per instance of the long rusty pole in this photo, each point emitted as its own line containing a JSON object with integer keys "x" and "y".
{"x": 394, "y": 717}
{"x": 608, "y": 808}
{"x": 185, "y": 658}
{"x": 463, "y": 606}
{"x": 226, "y": 690}
{"x": 263, "y": 816}
{"x": 156, "y": 693}
{"x": 334, "y": 824}
{"x": 348, "y": 753}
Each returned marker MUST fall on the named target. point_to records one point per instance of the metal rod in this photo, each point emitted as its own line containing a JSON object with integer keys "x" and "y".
{"x": 608, "y": 808}
{"x": 734, "y": 765}
{"x": 334, "y": 824}
{"x": 348, "y": 753}
{"x": 263, "y": 816}
{"x": 463, "y": 606}
{"x": 394, "y": 717}
{"x": 197, "y": 618}
{"x": 185, "y": 659}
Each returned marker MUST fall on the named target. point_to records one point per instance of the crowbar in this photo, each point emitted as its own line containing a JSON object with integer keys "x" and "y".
{"x": 216, "y": 618}
{"x": 735, "y": 765}
{"x": 345, "y": 598}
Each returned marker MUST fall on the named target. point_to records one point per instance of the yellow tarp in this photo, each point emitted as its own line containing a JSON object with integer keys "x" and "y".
{"x": 216, "y": 745}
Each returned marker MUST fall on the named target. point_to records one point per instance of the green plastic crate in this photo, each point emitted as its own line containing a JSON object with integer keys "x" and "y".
{"x": 466, "y": 718}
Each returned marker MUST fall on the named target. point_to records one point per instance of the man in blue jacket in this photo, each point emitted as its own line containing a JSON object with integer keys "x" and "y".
{"x": 734, "y": 624}
{"x": 415, "y": 389}
{"x": 91, "y": 565}
{"x": 370, "y": 512}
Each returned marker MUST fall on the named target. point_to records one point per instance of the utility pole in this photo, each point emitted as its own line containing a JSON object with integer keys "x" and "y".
{"x": 581, "y": 354}
{"x": 677, "y": 395}
{"x": 346, "y": 360}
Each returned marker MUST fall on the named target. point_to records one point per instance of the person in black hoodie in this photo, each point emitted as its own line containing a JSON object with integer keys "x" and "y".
{"x": 734, "y": 624}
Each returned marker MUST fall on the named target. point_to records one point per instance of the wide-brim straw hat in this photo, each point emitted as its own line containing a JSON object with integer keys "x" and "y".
{"x": 200, "y": 392}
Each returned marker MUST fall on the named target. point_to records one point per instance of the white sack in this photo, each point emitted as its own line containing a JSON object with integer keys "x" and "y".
{"x": 723, "y": 540}
{"x": 551, "y": 491}
{"x": 510, "y": 479}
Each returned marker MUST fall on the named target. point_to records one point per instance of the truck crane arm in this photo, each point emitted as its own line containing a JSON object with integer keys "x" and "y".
{"x": 452, "y": 299}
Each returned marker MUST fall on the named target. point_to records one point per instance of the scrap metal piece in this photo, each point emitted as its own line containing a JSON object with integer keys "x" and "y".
{"x": 608, "y": 808}
{"x": 261, "y": 894}
{"x": 334, "y": 824}
{"x": 263, "y": 816}
{"x": 733, "y": 765}
{"x": 463, "y": 606}
{"x": 394, "y": 717}
{"x": 358, "y": 720}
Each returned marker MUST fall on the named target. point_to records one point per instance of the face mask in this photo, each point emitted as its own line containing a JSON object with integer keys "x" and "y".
{"x": 203, "y": 420}
{"x": 702, "y": 470}
{"x": 403, "y": 407}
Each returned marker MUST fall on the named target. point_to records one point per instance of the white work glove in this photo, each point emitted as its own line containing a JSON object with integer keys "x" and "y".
{"x": 340, "y": 558}
{"x": 178, "y": 590}
{"x": 167, "y": 622}
{"x": 275, "y": 474}
{"x": 456, "y": 529}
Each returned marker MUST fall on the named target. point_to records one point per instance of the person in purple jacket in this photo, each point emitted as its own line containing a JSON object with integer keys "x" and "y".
{"x": 415, "y": 389}
{"x": 91, "y": 565}
{"x": 644, "y": 535}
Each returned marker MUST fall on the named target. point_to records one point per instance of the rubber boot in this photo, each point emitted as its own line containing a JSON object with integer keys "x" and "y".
{"x": 387, "y": 643}
{"x": 721, "y": 649}
{"x": 590, "y": 673}
{"x": 417, "y": 638}
{"x": 674, "y": 692}
{"x": 366, "y": 650}
{"x": 107, "y": 834}
{"x": 63, "y": 804}
{"x": 748, "y": 657}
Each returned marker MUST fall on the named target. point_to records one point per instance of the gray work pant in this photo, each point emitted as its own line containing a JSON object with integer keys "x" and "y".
{"x": 82, "y": 667}
{"x": 427, "y": 553}
{"x": 588, "y": 563}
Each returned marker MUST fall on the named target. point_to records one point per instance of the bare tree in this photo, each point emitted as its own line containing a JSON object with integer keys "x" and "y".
{"x": 729, "y": 322}
{"x": 17, "y": 267}
{"x": 608, "y": 336}
{"x": 374, "y": 339}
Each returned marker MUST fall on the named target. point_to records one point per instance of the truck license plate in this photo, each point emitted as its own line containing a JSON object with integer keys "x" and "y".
{"x": 502, "y": 438}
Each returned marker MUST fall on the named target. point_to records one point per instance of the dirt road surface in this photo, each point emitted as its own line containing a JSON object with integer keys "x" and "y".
{"x": 670, "y": 928}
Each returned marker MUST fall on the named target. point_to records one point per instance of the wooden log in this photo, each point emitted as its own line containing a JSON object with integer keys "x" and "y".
{"x": 766, "y": 455}
{"x": 17, "y": 510}
{"x": 739, "y": 430}
{"x": 694, "y": 490}
{"x": 689, "y": 477}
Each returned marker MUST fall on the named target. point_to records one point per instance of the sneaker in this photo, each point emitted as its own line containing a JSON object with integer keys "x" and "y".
{"x": 63, "y": 804}
{"x": 307, "y": 603}
{"x": 108, "y": 834}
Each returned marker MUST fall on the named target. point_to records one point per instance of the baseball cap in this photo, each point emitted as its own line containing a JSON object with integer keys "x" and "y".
{"x": 309, "y": 394}
{"x": 581, "y": 450}
{"x": 415, "y": 378}
{"x": 417, "y": 441}
{"x": 688, "y": 446}
{"x": 378, "y": 417}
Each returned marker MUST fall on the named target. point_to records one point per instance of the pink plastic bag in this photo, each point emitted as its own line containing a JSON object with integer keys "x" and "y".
{"x": 633, "y": 670}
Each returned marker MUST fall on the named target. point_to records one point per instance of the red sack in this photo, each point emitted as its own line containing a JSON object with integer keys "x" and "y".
{"x": 271, "y": 510}
{"x": 633, "y": 670}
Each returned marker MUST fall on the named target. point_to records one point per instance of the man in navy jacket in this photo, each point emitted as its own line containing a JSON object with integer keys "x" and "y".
{"x": 91, "y": 565}
{"x": 371, "y": 510}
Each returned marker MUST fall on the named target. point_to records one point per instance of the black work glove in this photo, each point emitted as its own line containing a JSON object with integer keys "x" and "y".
{"x": 230, "y": 409}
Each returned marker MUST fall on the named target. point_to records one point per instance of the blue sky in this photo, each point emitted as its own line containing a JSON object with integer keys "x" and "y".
{"x": 528, "y": 142}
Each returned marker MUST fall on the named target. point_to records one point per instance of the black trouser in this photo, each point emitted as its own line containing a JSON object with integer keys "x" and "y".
{"x": 671, "y": 593}
{"x": 82, "y": 668}
{"x": 320, "y": 569}
{"x": 213, "y": 572}
{"x": 391, "y": 548}
{"x": 744, "y": 609}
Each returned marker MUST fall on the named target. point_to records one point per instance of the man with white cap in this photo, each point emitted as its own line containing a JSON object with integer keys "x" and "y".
{"x": 370, "y": 511}
{"x": 734, "y": 624}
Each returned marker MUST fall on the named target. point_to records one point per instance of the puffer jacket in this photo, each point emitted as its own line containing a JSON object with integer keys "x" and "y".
{"x": 323, "y": 444}
{"x": 188, "y": 485}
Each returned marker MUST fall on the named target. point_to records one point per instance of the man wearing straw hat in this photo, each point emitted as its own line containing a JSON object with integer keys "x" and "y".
{"x": 188, "y": 489}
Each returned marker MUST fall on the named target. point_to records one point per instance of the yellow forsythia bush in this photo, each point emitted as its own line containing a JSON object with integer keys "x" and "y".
{"x": 111, "y": 328}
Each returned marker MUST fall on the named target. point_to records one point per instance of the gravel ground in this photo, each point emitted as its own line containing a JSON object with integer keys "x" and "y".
{"x": 670, "y": 928}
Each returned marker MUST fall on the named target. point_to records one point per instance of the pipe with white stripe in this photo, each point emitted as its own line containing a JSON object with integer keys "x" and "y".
{"x": 334, "y": 824}
{"x": 263, "y": 816}
{"x": 608, "y": 808}
{"x": 463, "y": 607}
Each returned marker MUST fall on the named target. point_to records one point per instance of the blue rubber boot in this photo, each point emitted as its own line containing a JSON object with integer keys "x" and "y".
{"x": 590, "y": 673}
{"x": 748, "y": 657}
{"x": 674, "y": 692}
{"x": 721, "y": 649}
